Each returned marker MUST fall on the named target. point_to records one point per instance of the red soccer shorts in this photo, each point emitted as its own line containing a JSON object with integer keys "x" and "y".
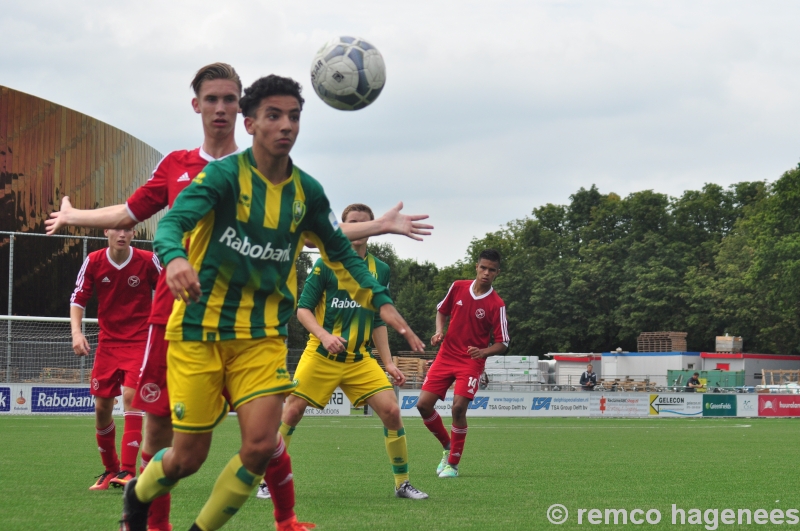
{"x": 151, "y": 395}
{"x": 115, "y": 365}
{"x": 465, "y": 371}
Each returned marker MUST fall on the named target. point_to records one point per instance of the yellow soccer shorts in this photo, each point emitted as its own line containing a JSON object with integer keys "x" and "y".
{"x": 199, "y": 371}
{"x": 317, "y": 378}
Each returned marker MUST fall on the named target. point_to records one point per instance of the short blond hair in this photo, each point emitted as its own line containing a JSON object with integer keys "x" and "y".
{"x": 215, "y": 71}
{"x": 357, "y": 207}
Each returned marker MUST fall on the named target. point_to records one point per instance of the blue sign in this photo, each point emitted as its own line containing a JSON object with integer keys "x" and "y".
{"x": 541, "y": 402}
{"x": 61, "y": 400}
{"x": 409, "y": 402}
{"x": 5, "y": 399}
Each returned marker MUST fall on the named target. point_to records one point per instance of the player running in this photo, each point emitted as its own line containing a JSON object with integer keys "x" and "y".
{"x": 338, "y": 354}
{"x": 123, "y": 278}
{"x": 477, "y": 319}
{"x": 245, "y": 219}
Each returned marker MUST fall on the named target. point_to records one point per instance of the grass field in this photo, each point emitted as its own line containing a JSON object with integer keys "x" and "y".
{"x": 512, "y": 471}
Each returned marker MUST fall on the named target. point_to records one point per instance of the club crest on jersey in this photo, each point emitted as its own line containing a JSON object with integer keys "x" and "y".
{"x": 298, "y": 211}
{"x": 180, "y": 410}
{"x": 317, "y": 270}
{"x": 133, "y": 281}
{"x": 150, "y": 392}
{"x": 479, "y": 313}
{"x": 244, "y": 200}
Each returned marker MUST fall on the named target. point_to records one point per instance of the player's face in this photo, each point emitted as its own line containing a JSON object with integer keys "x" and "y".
{"x": 275, "y": 125}
{"x": 119, "y": 239}
{"x": 487, "y": 271}
{"x": 357, "y": 217}
{"x": 217, "y": 104}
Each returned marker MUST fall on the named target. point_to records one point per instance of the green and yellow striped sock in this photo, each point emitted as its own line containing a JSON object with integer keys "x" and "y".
{"x": 231, "y": 490}
{"x": 152, "y": 483}
{"x": 397, "y": 449}
{"x": 286, "y": 431}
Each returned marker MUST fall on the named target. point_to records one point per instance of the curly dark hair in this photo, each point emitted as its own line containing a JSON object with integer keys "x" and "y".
{"x": 265, "y": 87}
{"x": 491, "y": 255}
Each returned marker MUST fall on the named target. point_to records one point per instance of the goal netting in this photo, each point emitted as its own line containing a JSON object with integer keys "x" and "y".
{"x": 39, "y": 350}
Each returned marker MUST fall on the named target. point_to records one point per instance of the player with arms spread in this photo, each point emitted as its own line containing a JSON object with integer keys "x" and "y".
{"x": 124, "y": 279}
{"x": 338, "y": 354}
{"x": 477, "y": 316}
{"x": 245, "y": 219}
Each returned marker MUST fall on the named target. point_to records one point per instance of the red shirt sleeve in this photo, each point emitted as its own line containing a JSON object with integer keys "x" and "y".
{"x": 501, "y": 326}
{"x": 153, "y": 196}
{"x": 446, "y": 306}
{"x": 83, "y": 285}
{"x": 153, "y": 272}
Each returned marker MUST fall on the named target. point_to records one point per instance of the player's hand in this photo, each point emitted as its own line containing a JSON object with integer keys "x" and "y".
{"x": 392, "y": 317}
{"x": 397, "y": 374}
{"x": 80, "y": 345}
{"x": 58, "y": 219}
{"x": 407, "y": 225}
{"x": 475, "y": 353}
{"x": 182, "y": 281}
{"x": 437, "y": 338}
{"x": 334, "y": 344}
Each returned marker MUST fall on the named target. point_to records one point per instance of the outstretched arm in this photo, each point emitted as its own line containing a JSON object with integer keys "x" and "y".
{"x": 392, "y": 222}
{"x": 111, "y": 217}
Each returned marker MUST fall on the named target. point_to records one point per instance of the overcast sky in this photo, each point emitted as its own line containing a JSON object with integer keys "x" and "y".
{"x": 490, "y": 108}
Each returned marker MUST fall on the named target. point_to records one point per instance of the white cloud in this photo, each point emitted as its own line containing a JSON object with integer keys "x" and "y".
{"x": 490, "y": 109}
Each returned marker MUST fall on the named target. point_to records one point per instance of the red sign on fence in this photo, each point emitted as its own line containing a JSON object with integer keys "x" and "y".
{"x": 779, "y": 405}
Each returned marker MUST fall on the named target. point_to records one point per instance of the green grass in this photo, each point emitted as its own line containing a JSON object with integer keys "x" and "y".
{"x": 512, "y": 471}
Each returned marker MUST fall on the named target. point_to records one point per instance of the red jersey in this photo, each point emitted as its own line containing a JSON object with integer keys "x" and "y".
{"x": 474, "y": 320}
{"x": 124, "y": 292}
{"x": 171, "y": 176}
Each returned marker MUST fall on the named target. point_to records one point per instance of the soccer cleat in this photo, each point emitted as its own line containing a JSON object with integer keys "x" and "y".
{"x": 293, "y": 525}
{"x": 122, "y": 478}
{"x": 134, "y": 512}
{"x": 443, "y": 462}
{"x": 169, "y": 528}
{"x": 449, "y": 471}
{"x": 103, "y": 480}
{"x": 407, "y": 490}
{"x": 263, "y": 491}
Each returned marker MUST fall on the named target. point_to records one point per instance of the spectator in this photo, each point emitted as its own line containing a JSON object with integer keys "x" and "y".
{"x": 588, "y": 379}
{"x": 694, "y": 383}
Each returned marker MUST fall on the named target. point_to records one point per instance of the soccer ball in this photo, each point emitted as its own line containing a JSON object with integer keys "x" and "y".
{"x": 348, "y": 73}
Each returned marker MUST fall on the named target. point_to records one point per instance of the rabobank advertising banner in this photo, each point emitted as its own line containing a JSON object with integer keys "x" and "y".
{"x": 24, "y": 399}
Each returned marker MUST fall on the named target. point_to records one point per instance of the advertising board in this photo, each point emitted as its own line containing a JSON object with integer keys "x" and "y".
{"x": 338, "y": 405}
{"x": 717, "y": 405}
{"x": 746, "y": 405}
{"x": 619, "y": 404}
{"x": 770, "y": 405}
{"x": 676, "y": 405}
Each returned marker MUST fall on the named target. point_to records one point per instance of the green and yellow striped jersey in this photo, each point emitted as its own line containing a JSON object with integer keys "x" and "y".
{"x": 340, "y": 315}
{"x": 242, "y": 234}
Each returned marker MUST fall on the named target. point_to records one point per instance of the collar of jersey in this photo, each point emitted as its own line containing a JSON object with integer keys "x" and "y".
{"x": 482, "y": 296}
{"x": 289, "y": 174}
{"x": 123, "y": 264}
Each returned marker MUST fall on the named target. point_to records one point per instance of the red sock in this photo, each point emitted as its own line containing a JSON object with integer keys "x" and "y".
{"x": 131, "y": 438}
{"x": 107, "y": 444}
{"x": 158, "y": 517}
{"x": 281, "y": 485}
{"x": 436, "y": 426}
{"x": 459, "y": 436}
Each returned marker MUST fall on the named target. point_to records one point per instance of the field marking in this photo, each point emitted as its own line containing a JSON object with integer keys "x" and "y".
{"x": 475, "y": 427}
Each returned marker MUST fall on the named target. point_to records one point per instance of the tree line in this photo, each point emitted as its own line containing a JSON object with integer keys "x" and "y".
{"x": 591, "y": 275}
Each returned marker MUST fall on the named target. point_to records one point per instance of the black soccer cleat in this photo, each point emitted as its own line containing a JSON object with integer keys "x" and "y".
{"x": 134, "y": 512}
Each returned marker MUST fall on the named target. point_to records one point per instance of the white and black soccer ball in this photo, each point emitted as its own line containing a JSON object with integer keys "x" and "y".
{"x": 348, "y": 73}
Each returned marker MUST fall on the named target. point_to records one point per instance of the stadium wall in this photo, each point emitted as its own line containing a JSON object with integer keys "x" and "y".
{"x": 48, "y": 151}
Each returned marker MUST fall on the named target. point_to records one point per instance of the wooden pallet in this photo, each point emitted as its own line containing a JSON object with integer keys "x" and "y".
{"x": 661, "y": 342}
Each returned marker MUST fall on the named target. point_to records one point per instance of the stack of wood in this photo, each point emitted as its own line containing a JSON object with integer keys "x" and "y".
{"x": 661, "y": 342}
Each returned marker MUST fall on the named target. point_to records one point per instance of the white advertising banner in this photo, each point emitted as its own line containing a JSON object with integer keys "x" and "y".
{"x": 619, "y": 404}
{"x": 506, "y": 404}
{"x": 676, "y": 405}
{"x": 338, "y": 405}
{"x": 560, "y": 404}
{"x": 747, "y": 405}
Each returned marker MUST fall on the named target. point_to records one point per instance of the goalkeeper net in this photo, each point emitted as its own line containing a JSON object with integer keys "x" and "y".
{"x": 39, "y": 350}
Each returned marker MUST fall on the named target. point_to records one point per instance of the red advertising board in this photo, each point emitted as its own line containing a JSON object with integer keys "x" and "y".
{"x": 779, "y": 405}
